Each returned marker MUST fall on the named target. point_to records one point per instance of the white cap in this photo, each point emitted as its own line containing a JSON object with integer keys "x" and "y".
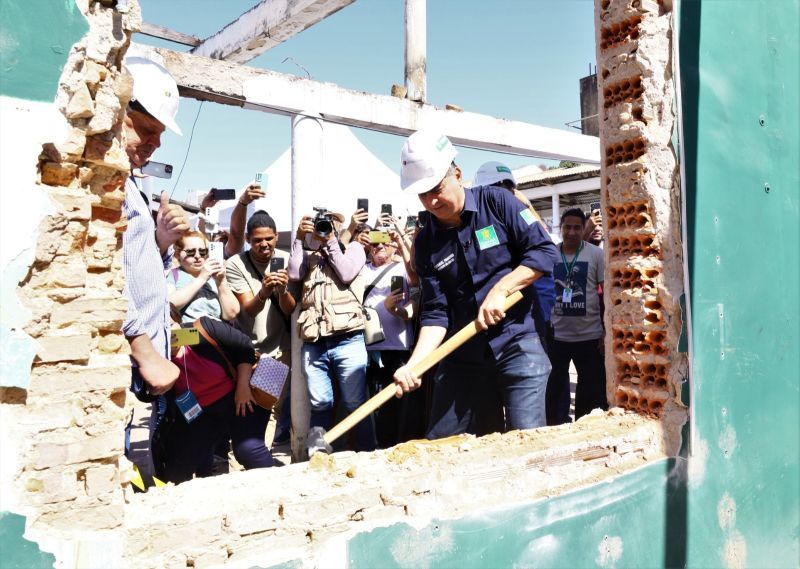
{"x": 493, "y": 173}
{"x": 155, "y": 89}
{"x": 426, "y": 157}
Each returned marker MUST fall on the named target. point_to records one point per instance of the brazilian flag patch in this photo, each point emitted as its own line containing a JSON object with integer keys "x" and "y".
{"x": 487, "y": 237}
{"x": 528, "y": 216}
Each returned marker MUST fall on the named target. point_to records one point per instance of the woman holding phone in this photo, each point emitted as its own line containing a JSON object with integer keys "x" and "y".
{"x": 198, "y": 287}
{"x": 388, "y": 292}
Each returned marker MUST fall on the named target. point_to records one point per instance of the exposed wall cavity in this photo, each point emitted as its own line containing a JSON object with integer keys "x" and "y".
{"x": 641, "y": 197}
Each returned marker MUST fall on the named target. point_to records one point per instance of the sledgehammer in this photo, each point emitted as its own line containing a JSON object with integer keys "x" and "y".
{"x": 318, "y": 440}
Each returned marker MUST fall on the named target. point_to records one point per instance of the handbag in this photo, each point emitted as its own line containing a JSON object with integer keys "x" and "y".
{"x": 267, "y": 381}
{"x": 268, "y": 378}
{"x": 373, "y": 330}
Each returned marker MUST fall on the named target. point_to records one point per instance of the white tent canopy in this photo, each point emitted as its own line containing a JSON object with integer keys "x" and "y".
{"x": 351, "y": 172}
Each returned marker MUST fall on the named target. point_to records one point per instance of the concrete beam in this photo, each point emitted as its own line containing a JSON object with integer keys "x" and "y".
{"x": 227, "y": 83}
{"x": 563, "y": 188}
{"x": 264, "y": 26}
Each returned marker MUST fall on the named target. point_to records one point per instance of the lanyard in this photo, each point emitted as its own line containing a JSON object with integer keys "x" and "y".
{"x": 571, "y": 265}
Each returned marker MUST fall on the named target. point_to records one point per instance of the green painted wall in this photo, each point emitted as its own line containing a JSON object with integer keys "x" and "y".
{"x": 35, "y": 39}
{"x": 16, "y": 552}
{"x": 740, "y": 64}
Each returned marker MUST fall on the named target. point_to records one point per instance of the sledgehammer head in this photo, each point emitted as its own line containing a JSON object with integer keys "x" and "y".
{"x": 315, "y": 442}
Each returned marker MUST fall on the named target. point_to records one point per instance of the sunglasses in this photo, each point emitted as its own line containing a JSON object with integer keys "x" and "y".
{"x": 196, "y": 253}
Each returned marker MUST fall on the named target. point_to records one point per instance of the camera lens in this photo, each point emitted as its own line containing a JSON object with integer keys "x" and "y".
{"x": 323, "y": 227}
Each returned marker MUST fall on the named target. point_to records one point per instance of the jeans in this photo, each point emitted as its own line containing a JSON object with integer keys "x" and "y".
{"x": 183, "y": 450}
{"x": 591, "y": 390}
{"x": 470, "y": 398}
{"x": 343, "y": 359}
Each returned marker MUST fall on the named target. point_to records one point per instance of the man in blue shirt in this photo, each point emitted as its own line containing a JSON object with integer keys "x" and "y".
{"x": 498, "y": 174}
{"x": 481, "y": 245}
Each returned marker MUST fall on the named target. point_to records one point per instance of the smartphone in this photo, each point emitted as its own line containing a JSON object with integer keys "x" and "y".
{"x": 216, "y": 251}
{"x": 219, "y": 194}
{"x": 423, "y": 216}
{"x": 595, "y": 206}
{"x": 411, "y": 222}
{"x": 277, "y": 264}
{"x": 362, "y": 203}
{"x": 379, "y": 237}
{"x": 397, "y": 283}
{"x": 259, "y": 178}
{"x": 157, "y": 169}
{"x": 184, "y": 337}
{"x": 386, "y": 208}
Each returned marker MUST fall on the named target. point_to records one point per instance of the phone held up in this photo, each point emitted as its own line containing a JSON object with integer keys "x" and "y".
{"x": 215, "y": 251}
{"x": 227, "y": 194}
{"x": 397, "y": 283}
{"x": 411, "y": 222}
{"x": 157, "y": 169}
{"x": 277, "y": 264}
{"x": 386, "y": 208}
{"x": 362, "y": 203}
{"x": 378, "y": 237}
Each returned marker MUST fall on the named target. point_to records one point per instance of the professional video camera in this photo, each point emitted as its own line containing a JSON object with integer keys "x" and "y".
{"x": 323, "y": 222}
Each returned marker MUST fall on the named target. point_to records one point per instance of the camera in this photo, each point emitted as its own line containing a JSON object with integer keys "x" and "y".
{"x": 323, "y": 222}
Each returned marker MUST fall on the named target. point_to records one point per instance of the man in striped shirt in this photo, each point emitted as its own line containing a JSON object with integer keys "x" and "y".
{"x": 147, "y": 245}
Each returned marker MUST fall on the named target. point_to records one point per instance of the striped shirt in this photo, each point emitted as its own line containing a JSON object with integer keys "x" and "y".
{"x": 145, "y": 287}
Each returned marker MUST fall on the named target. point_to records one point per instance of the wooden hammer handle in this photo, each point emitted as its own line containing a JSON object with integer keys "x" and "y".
{"x": 437, "y": 355}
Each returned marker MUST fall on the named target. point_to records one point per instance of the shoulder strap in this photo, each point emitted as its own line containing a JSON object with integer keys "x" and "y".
{"x": 253, "y": 265}
{"x": 375, "y": 282}
{"x": 197, "y": 324}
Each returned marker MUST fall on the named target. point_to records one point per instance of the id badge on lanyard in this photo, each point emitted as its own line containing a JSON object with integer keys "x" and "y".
{"x": 566, "y": 295}
{"x": 189, "y": 406}
{"x": 186, "y": 401}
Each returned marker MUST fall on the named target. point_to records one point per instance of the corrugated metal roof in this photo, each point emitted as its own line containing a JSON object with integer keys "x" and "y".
{"x": 557, "y": 174}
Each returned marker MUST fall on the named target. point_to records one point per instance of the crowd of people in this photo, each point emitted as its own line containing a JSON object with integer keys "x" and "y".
{"x": 372, "y": 301}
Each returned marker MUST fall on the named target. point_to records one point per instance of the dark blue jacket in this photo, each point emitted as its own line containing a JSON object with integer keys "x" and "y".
{"x": 459, "y": 266}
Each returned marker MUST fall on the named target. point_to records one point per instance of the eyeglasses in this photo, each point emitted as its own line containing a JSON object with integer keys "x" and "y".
{"x": 203, "y": 253}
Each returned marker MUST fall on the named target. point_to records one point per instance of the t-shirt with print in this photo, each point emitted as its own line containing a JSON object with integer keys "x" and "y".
{"x": 268, "y": 328}
{"x": 578, "y": 319}
{"x": 204, "y": 303}
{"x": 397, "y": 332}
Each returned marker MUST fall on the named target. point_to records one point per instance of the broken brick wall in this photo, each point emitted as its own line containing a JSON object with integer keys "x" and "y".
{"x": 66, "y": 427}
{"x": 640, "y": 191}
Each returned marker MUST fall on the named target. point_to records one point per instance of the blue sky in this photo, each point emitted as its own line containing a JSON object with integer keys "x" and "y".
{"x": 515, "y": 59}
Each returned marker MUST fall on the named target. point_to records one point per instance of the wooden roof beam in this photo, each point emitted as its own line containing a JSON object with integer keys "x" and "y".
{"x": 269, "y": 91}
{"x": 264, "y": 26}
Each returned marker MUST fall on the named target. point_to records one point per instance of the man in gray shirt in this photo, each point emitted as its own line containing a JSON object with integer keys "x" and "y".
{"x": 577, "y": 321}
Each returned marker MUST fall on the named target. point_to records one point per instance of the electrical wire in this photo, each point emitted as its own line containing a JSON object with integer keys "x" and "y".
{"x": 188, "y": 148}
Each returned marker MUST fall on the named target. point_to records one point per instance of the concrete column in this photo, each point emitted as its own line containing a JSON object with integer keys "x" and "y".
{"x": 556, "y": 214}
{"x": 416, "y": 48}
{"x": 307, "y": 173}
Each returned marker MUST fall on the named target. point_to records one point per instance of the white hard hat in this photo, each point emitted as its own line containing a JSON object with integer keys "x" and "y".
{"x": 493, "y": 173}
{"x": 426, "y": 157}
{"x": 155, "y": 89}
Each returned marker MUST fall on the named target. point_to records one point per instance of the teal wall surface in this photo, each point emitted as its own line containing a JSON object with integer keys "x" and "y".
{"x": 16, "y": 552}
{"x": 35, "y": 39}
{"x": 740, "y": 65}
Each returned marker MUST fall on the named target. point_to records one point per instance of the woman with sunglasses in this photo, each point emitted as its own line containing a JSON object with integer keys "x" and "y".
{"x": 198, "y": 287}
